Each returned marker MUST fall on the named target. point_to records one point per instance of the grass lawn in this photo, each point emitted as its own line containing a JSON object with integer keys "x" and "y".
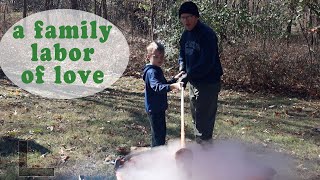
{"x": 81, "y": 136}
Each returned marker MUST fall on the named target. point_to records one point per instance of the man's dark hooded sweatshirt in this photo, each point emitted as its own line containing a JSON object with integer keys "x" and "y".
{"x": 199, "y": 55}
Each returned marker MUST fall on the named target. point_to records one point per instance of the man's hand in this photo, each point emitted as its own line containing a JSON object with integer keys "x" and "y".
{"x": 176, "y": 77}
{"x": 182, "y": 67}
{"x": 184, "y": 79}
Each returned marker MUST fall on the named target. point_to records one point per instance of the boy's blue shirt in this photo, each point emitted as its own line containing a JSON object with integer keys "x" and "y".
{"x": 156, "y": 88}
{"x": 199, "y": 53}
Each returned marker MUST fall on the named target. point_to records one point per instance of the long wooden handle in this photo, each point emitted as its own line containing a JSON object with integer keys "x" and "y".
{"x": 183, "y": 139}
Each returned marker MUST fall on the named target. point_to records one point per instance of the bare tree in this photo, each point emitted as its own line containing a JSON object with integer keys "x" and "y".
{"x": 95, "y": 6}
{"x": 104, "y": 9}
{"x": 59, "y": 4}
{"x": 217, "y": 3}
{"x": 47, "y": 4}
{"x": 152, "y": 20}
{"x": 74, "y": 4}
{"x": 5, "y": 11}
{"x": 24, "y": 8}
{"x": 98, "y": 8}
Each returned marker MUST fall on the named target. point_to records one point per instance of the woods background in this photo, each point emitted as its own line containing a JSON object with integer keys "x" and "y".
{"x": 265, "y": 45}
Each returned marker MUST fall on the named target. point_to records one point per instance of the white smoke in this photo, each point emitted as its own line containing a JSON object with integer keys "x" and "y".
{"x": 225, "y": 160}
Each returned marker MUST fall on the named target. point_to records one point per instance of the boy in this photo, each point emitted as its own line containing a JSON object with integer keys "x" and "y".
{"x": 156, "y": 88}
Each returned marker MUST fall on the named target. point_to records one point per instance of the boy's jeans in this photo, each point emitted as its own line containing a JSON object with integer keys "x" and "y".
{"x": 203, "y": 104}
{"x": 158, "y": 128}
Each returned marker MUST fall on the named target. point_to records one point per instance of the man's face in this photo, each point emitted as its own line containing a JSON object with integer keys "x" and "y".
{"x": 189, "y": 21}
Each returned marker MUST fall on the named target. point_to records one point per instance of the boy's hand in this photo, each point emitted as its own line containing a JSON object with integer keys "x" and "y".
{"x": 176, "y": 86}
{"x": 178, "y": 75}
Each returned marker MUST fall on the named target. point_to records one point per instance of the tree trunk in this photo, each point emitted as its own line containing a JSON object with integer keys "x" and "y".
{"x": 5, "y": 10}
{"x": 244, "y": 4}
{"x": 59, "y": 4}
{"x": 52, "y": 4}
{"x": 292, "y": 10}
{"x": 217, "y": 3}
{"x": 104, "y": 9}
{"x": 99, "y": 13}
{"x": 152, "y": 21}
{"x": 74, "y": 4}
{"x": 233, "y": 4}
{"x": 47, "y": 4}
{"x": 24, "y": 8}
{"x": 258, "y": 7}
{"x": 80, "y": 4}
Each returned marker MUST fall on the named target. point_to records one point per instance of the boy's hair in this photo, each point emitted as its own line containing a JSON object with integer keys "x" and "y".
{"x": 155, "y": 46}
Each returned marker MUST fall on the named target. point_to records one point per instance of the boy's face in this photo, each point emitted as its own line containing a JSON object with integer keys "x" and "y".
{"x": 189, "y": 21}
{"x": 157, "y": 58}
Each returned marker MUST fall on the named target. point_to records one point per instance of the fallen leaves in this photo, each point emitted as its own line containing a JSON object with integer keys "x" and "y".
{"x": 267, "y": 140}
{"x": 315, "y": 114}
{"x": 122, "y": 151}
{"x": 139, "y": 149}
{"x": 63, "y": 155}
{"x": 301, "y": 111}
{"x": 317, "y": 130}
{"x": 103, "y": 149}
{"x": 301, "y": 166}
{"x": 244, "y": 129}
{"x": 278, "y": 114}
{"x": 13, "y": 132}
{"x": 57, "y": 128}
{"x": 50, "y": 128}
{"x": 36, "y": 131}
{"x": 230, "y": 122}
{"x": 58, "y": 118}
{"x": 70, "y": 149}
{"x": 299, "y": 133}
{"x": 108, "y": 158}
{"x": 266, "y": 131}
{"x": 44, "y": 155}
{"x": 272, "y": 106}
{"x": 137, "y": 127}
{"x": 260, "y": 114}
{"x": 64, "y": 158}
{"x": 15, "y": 92}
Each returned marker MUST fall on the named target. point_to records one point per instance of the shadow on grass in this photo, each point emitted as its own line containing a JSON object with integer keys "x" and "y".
{"x": 2, "y": 75}
{"x": 278, "y": 109}
{"x": 9, "y": 146}
{"x": 132, "y": 103}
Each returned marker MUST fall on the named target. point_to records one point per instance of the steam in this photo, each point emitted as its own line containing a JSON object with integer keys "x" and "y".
{"x": 225, "y": 160}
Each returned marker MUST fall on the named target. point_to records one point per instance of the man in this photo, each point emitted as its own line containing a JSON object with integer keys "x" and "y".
{"x": 199, "y": 58}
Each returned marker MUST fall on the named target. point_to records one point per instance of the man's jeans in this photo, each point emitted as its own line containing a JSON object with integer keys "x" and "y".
{"x": 203, "y": 104}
